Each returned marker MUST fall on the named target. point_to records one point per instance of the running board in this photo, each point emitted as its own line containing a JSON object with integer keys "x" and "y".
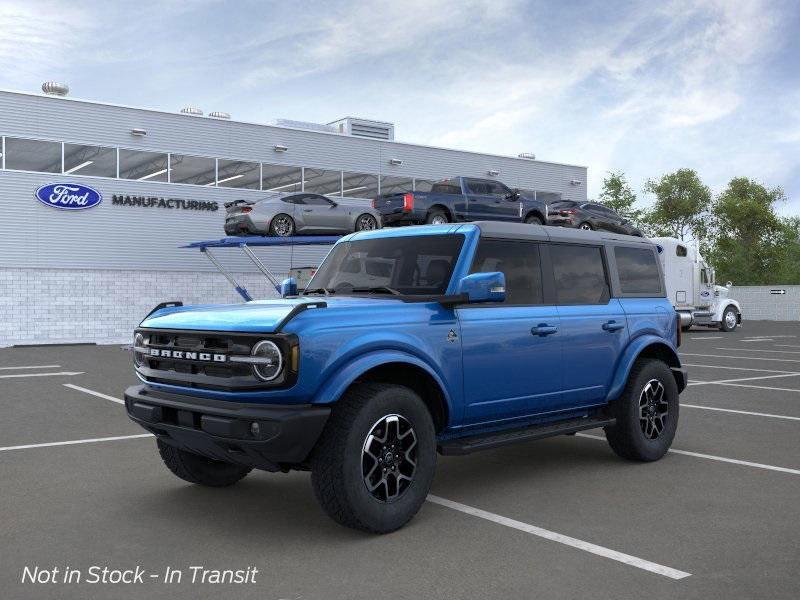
{"x": 467, "y": 445}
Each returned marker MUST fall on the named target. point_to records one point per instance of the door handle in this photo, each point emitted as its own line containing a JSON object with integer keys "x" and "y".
{"x": 612, "y": 326}
{"x": 307, "y": 210}
{"x": 543, "y": 329}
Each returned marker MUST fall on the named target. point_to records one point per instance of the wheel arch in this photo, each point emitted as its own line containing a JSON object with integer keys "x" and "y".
{"x": 535, "y": 212}
{"x": 445, "y": 209}
{"x": 397, "y": 368}
{"x": 648, "y": 346}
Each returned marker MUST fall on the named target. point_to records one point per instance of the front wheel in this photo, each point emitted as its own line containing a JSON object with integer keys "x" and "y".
{"x": 729, "y": 320}
{"x": 366, "y": 222}
{"x": 282, "y": 226}
{"x": 646, "y": 413}
{"x": 199, "y": 469}
{"x": 533, "y": 220}
{"x": 373, "y": 465}
{"x": 586, "y": 226}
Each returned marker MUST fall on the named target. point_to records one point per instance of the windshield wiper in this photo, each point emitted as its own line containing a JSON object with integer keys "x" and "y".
{"x": 378, "y": 289}
{"x": 322, "y": 290}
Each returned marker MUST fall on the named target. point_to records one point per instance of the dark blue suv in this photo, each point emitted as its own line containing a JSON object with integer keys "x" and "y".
{"x": 449, "y": 338}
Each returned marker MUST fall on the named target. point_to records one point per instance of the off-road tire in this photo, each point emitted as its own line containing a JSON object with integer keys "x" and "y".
{"x": 273, "y": 231}
{"x": 533, "y": 220}
{"x": 199, "y": 469}
{"x": 436, "y": 215}
{"x": 627, "y": 437}
{"x": 723, "y": 326}
{"x": 336, "y": 461}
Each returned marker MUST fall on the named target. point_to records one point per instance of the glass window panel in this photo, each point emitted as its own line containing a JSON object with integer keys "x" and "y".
{"x": 278, "y": 178}
{"x": 638, "y": 271}
{"x": 144, "y": 166}
{"x": 519, "y": 262}
{"x": 238, "y": 174}
{"x": 320, "y": 181}
{"x": 196, "y": 170}
{"x": 90, "y": 160}
{"x": 360, "y": 185}
{"x": 580, "y": 274}
{"x": 423, "y": 185}
{"x": 396, "y": 185}
{"x": 33, "y": 155}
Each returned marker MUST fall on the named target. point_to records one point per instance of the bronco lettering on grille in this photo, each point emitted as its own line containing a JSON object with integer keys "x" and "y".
{"x": 202, "y": 356}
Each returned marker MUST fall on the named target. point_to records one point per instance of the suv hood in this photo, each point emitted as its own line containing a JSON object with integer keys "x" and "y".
{"x": 260, "y": 316}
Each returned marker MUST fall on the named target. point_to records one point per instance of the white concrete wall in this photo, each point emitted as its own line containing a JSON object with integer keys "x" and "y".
{"x": 758, "y": 303}
{"x": 41, "y": 306}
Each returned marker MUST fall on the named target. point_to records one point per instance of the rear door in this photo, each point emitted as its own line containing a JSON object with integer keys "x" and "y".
{"x": 592, "y": 323}
{"x": 511, "y": 350}
{"x": 480, "y": 201}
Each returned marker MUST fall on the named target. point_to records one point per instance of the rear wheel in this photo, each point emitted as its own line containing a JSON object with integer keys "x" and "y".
{"x": 366, "y": 222}
{"x": 533, "y": 220}
{"x": 729, "y": 319}
{"x": 282, "y": 225}
{"x": 586, "y": 226}
{"x": 373, "y": 465}
{"x": 646, "y": 413}
{"x": 199, "y": 469}
{"x": 437, "y": 217}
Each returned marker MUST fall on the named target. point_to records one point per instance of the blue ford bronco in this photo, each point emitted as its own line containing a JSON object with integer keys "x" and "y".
{"x": 407, "y": 342}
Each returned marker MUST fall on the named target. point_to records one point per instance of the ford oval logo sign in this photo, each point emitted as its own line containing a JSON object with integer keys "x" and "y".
{"x": 68, "y": 196}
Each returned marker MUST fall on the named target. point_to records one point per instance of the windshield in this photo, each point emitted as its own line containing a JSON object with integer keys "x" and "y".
{"x": 407, "y": 265}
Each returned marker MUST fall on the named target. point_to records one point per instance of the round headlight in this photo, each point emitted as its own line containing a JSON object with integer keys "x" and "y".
{"x": 138, "y": 342}
{"x": 270, "y": 360}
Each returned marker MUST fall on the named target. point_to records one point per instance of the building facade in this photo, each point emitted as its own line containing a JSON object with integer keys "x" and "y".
{"x": 163, "y": 179}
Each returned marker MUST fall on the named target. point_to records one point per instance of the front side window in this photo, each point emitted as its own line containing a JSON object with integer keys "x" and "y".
{"x": 519, "y": 262}
{"x": 477, "y": 187}
{"x": 409, "y": 265}
{"x": 315, "y": 200}
{"x": 33, "y": 155}
{"x": 143, "y": 166}
{"x": 580, "y": 274}
{"x": 90, "y": 160}
{"x": 638, "y": 271}
{"x": 680, "y": 250}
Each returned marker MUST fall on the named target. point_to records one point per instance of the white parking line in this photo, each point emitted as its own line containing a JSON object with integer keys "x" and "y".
{"x": 741, "y": 412}
{"x": 740, "y": 368}
{"x": 72, "y": 442}
{"x": 734, "y": 461}
{"x": 15, "y": 375}
{"x": 744, "y": 379}
{"x": 759, "y": 350}
{"x": 93, "y": 393}
{"x": 31, "y": 367}
{"x": 561, "y": 539}
{"x": 742, "y": 357}
{"x": 713, "y": 337}
{"x": 757, "y": 340}
{"x": 762, "y": 387}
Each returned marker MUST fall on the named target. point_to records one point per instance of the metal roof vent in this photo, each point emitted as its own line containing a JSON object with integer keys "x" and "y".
{"x": 375, "y": 130}
{"x": 219, "y": 115}
{"x": 527, "y": 155}
{"x": 302, "y": 125}
{"x": 192, "y": 110}
{"x": 53, "y": 88}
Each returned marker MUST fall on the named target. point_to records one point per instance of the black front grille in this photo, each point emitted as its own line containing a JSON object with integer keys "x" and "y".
{"x": 208, "y": 374}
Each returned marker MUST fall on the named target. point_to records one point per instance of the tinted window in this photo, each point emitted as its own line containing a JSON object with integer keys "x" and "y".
{"x": 33, "y": 155}
{"x": 423, "y": 185}
{"x": 477, "y": 187}
{"x": 325, "y": 182}
{"x": 580, "y": 275}
{"x": 394, "y": 185}
{"x": 680, "y": 250}
{"x": 278, "y": 178}
{"x": 414, "y": 265}
{"x": 446, "y": 187}
{"x": 519, "y": 262}
{"x": 197, "y": 170}
{"x": 360, "y": 185}
{"x": 238, "y": 174}
{"x": 497, "y": 189}
{"x": 294, "y": 199}
{"x": 90, "y": 160}
{"x": 638, "y": 271}
{"x": 317, "y": 200}
{"x": 143, "y": 166}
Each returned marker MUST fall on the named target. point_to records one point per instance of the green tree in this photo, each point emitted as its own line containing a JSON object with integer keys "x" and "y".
{"x": 681, "y": 206}
{"x": 752, "y": 245}
{"x": 618, "y": 196}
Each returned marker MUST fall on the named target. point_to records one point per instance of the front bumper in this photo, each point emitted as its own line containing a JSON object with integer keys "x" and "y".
{"x": 400, "y": 217}
{"x": 558, "y": 221}
{"x": 224, "y": 430}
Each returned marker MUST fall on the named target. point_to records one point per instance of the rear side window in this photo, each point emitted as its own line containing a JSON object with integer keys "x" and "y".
{"x": 446, "y": 187}
{"x": 580, "y": 275}
{"x": 680, "y": 250}
{"x": 638, "y": 271}
{"x": 519, "y": 262}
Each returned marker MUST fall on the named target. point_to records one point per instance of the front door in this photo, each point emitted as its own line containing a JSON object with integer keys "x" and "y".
{"x": 593, "y": 325}
{"x": 512, "y": 350}
{"x": 324, "y": 215}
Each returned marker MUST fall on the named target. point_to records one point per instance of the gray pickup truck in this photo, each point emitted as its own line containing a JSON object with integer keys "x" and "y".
{"x": 461, "y": 199}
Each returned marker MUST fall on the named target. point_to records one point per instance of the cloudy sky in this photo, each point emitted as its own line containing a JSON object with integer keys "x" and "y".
{"x": 642, "y": 87}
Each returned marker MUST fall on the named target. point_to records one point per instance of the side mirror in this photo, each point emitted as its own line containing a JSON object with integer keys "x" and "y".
{"x": 514, "y": 195}
{"x": 483, "y": 287}
{"x": 288, "y": 287}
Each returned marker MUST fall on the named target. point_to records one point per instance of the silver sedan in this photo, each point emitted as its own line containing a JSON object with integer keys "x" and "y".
{"x": 283, "y": 215}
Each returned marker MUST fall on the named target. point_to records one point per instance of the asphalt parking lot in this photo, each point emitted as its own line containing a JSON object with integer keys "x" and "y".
{"x": 719, "y": 517}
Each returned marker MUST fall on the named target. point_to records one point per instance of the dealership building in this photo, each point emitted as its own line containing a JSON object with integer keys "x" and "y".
{"x": 162, "y": 180}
